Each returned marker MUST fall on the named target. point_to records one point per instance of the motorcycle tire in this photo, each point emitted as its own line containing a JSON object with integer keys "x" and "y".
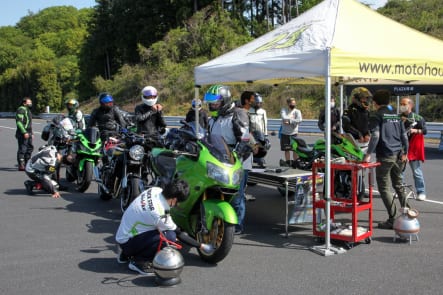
{"x": 84, "y": 177}
{"x": 223, "y": 241}
{"x": 131, "y": 192}
{"x": 69, "y": 176}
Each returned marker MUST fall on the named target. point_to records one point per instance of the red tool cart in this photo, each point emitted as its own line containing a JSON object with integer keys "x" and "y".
{"x": 350, "y": 203}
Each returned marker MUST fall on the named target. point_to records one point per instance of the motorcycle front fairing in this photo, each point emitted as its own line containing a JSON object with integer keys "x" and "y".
{"x": 213, "y": 178}
{"x": 88, "y": 148}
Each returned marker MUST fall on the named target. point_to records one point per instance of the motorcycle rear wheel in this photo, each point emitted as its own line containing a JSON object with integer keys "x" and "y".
{"x": 84, "y": 177}
{"x": 131, "y": 192}
{"x": 221, "y": 236}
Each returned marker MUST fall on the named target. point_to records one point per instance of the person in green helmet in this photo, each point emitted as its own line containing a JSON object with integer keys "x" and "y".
{"x": 232, "y": 123}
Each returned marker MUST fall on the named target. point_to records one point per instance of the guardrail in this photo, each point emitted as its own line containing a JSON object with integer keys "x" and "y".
{"x": 435, "y": 130}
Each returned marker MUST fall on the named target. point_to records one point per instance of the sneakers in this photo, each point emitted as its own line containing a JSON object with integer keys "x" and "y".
{"x": 249, "y": 197}
{"x": 122, "y": 258}
{"x": 421, "y": 197}
{"x": 29, "y": 185}
{"x": 238, "y": 231}
{"x": 142, "y": 267}
{"x": 388, "y": 224}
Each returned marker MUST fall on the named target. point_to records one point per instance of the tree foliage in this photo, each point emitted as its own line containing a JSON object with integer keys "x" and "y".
{"x": 39, "y": 57}
{"x": 121, "y": 46}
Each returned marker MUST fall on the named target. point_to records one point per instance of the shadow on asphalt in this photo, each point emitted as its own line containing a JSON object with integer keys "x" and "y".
{"x": 432, "y": 153}
{"x": 8, "y": 169}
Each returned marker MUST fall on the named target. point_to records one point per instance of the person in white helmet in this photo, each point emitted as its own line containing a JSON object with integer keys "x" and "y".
{"x": 149, "y": 115}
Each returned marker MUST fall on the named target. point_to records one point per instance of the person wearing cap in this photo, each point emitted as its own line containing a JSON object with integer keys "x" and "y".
{"x": 203, "y": 119}
{"x": 107, "y": 117}
{"x": 291, "y": 119}
{"x": 356, "y": 116}
{"x": 390, "y": 145}
{"x": 149, "y": 114}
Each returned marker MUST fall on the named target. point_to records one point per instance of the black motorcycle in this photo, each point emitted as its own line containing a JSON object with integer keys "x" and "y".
{"x": 124, "y": 171}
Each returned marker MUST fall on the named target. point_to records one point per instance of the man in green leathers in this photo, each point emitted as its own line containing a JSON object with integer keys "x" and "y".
{"x": 24, "y": 135}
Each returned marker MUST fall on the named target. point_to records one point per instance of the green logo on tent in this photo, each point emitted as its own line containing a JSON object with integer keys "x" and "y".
{"x": 283, "y": 40}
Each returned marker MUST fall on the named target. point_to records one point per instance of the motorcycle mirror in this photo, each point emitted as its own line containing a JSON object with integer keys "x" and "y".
{"x": 183, "y": 122}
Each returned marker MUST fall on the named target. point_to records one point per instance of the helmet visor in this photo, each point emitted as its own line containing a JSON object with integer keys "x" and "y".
{"x": 106, "y": 99}
{"x": 211, "y": 98}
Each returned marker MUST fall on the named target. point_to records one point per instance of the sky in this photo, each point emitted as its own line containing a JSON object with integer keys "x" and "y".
{"x": 13, "y": 10}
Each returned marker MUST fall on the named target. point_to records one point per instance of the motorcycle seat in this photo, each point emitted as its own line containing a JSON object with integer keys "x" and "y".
{"x": 302, "y": 145}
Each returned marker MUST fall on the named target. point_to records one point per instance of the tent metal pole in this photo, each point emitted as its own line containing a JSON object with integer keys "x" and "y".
{"x": 341, "y": 107}
{"x": 327, "y": 249}
{"x": 197, "y": 111}
{"x": 417, "y": 103}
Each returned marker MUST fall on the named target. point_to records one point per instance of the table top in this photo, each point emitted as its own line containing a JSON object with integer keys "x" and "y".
{"x": 280, "y": 173}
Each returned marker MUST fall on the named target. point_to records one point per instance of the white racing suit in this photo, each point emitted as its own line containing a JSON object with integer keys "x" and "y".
{"x": 42, "y": 167}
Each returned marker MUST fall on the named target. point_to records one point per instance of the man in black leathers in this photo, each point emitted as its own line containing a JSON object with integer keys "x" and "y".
{"x": 107, "y": 117}
{"x": 356, "y": 116}
{"x": 149, "y": 115}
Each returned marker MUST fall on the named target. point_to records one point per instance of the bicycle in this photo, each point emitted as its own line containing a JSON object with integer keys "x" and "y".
{"x": 409, "y": 190}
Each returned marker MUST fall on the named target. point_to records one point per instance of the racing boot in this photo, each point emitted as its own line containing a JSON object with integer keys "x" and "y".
{"x": 21, "y": 165}
{"x": 29, "y": 185}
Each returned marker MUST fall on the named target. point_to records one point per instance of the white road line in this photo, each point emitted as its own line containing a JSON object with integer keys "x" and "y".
{"x": 432, "y": 201}
{"x": 13, "y": 128}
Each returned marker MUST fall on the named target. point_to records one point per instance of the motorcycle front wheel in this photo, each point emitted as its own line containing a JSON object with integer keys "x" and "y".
{"x": 221, "y": 236}
{"x": 84, "y": 177}
{"x": 131, "y": 192}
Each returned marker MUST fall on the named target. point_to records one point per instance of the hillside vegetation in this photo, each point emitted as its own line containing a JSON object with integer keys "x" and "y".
{"x": 122, "y": 46}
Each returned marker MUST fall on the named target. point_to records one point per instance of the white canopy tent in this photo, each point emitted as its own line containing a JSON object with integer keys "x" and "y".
{"x": 336, "y": 41}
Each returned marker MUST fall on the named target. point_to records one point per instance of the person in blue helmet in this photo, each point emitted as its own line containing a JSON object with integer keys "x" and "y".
{"x": 107, "y": 117}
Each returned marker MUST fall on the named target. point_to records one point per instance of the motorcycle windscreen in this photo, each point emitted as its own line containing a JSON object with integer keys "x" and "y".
{"x": 219, "y": 149}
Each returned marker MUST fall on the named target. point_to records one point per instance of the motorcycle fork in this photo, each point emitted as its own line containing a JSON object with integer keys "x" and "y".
{"x": 98, "y": 179}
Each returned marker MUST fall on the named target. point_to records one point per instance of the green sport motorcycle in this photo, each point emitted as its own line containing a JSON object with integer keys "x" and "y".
{"x": 213, "y": 173}
{"x": 84, "y": 155}
{"x": 341, "y": 146}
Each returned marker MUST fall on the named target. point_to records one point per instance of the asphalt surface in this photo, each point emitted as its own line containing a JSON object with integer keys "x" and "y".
{"x": 66, "y": 245}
